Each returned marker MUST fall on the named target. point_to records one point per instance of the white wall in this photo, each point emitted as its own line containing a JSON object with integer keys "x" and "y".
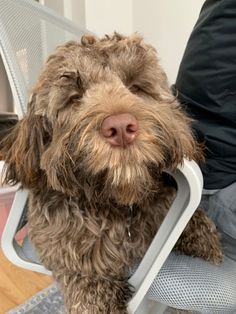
{"x": 74, "y": 10}
{"x": 166, "y": 24}
{"x": 107, "y": 16}
{"x": 55, "y": 5}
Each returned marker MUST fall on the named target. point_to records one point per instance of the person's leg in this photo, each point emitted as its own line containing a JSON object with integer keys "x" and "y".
{"x": 221, "y": 208}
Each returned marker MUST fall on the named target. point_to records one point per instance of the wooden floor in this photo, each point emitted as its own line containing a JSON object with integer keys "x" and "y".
{"x": 17, "y": 285}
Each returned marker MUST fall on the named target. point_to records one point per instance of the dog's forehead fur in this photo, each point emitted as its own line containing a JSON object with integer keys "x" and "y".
{"x": 123, "y": 56}
{"x": 80, "y": 65}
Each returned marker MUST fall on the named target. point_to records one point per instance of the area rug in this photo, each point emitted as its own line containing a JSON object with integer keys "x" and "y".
{"x": 50, "y": 301}
{"x": 47, "y": 301}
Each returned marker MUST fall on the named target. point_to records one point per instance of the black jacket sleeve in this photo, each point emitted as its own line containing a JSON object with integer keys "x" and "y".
{"x": 206, "y": 85}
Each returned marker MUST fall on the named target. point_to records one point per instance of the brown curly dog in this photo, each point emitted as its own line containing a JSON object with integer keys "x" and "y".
{"x": 101, "y": 129}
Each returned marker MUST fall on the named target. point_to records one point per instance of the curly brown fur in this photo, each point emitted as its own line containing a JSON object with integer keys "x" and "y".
{"x": 200, "y": 239}
{"x": 82, "y": 188}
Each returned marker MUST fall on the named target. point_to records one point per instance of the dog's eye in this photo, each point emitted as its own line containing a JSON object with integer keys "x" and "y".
{"x": 135, "y": 89}
{"x": 68, "y": 75}
{"x": 74, "y": 97}
{"x": 72, "y": 77}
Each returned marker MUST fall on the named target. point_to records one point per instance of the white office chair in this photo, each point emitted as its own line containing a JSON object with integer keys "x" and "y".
{"x": 28, "y": 33}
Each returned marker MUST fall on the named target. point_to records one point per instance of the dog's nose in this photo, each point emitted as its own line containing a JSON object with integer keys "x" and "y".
{"x": 120, "y": 129}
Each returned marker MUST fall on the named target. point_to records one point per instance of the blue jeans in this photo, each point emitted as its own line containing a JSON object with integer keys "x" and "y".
{"x": 221, "y": 208}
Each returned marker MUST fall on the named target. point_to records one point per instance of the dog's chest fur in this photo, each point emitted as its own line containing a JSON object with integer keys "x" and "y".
{"x": 92, "y": 235}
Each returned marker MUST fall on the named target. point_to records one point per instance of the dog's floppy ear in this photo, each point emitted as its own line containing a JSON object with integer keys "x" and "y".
{"x": 57, "y": 161}
{"x": 182, "y": 142}
{"x": 21, "y": 147}
{"x": 59, "y": 168}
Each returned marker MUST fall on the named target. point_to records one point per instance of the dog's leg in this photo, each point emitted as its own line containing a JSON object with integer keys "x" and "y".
{"x": 200, "y": 238}
{"x": 94, "y": 295}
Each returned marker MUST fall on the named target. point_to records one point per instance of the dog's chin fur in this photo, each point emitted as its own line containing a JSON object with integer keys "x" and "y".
{"x": 94, "y": 209}
{"x": 122, "y": 176}
{"x": 128, "y": 185}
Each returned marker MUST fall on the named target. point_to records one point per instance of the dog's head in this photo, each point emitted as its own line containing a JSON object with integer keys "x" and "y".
{"x": 100, "y": 114}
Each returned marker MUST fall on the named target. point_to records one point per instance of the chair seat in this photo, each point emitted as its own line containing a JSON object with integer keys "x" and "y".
{"x": 193, "y": 284}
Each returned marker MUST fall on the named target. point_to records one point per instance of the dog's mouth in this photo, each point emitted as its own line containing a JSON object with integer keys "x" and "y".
{"x": 125, "y": 184}
{"x": 133, "y": 184}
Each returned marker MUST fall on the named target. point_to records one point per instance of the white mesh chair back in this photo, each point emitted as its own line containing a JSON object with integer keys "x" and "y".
{"x": 29, "y": 32}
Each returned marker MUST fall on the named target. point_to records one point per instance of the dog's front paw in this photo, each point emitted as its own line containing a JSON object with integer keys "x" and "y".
{"x": 91, "y": 295}
{"x": 92, "y": 309}
{"x": 200, "y": 238}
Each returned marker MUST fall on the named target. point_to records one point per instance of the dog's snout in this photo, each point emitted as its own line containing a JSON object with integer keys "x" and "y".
{"x": 120, "y": 129}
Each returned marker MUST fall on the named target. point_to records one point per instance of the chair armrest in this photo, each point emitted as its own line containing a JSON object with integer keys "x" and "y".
{"x": 190, "y": 182}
